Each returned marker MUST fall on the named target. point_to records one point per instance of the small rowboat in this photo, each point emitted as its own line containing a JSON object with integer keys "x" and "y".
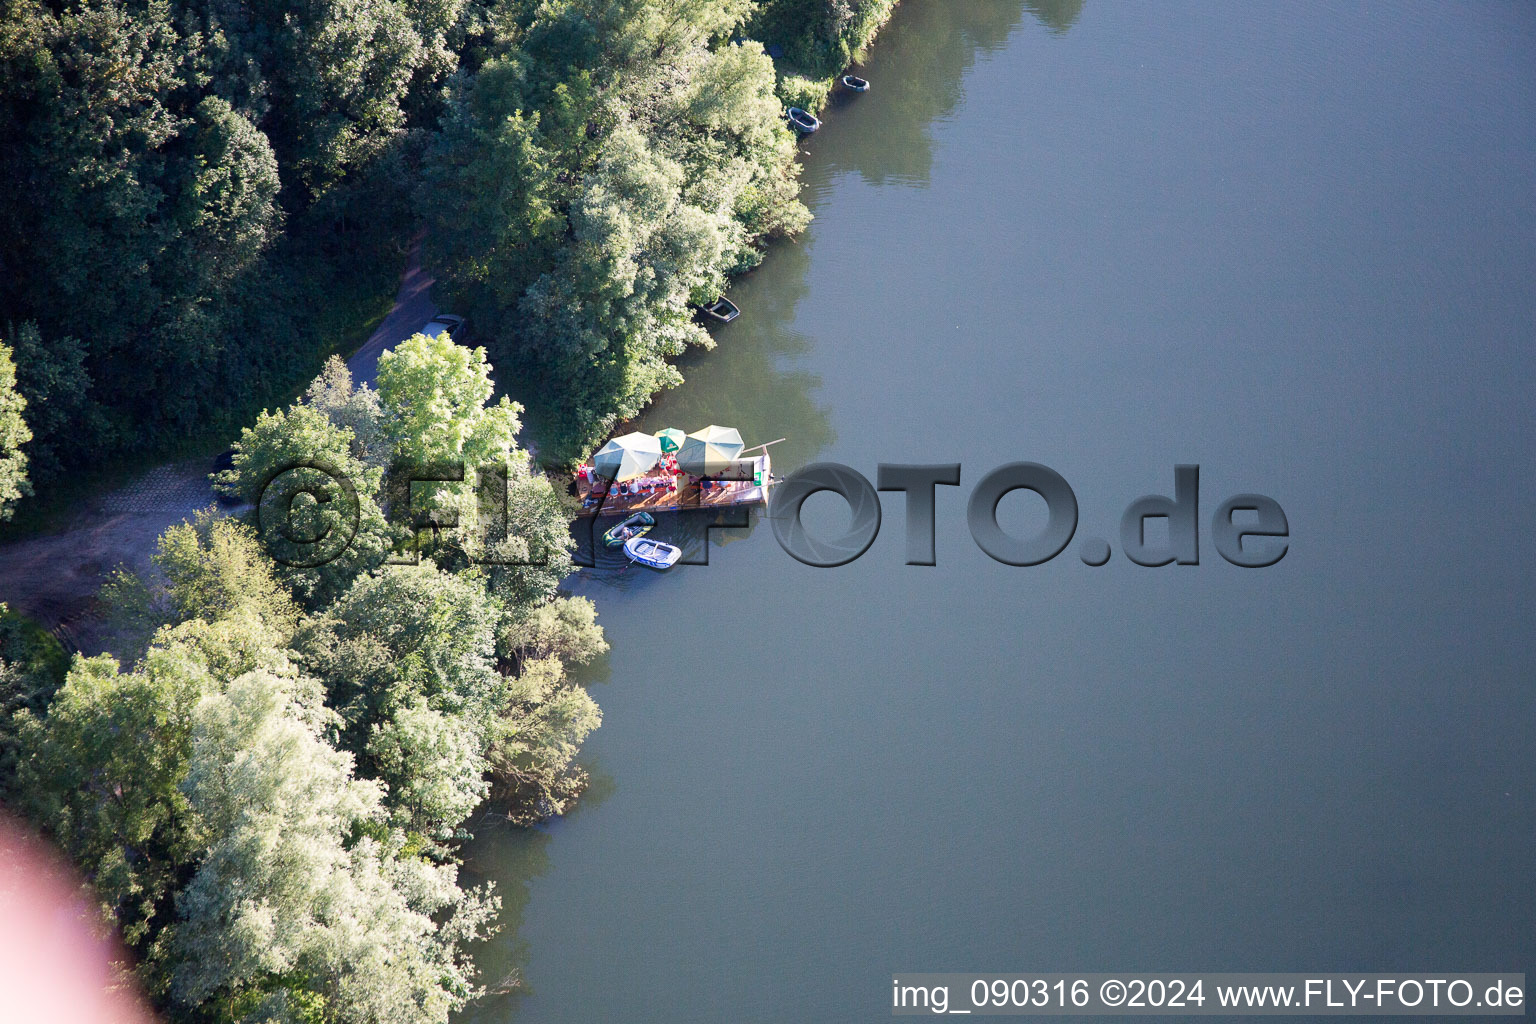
{"x": 652, "y": 552}
{"x": 856, "y": 83}
{"x": 803, "y": 121}
{"x": 633, "y": 528}
{"x": 722, "y": 310}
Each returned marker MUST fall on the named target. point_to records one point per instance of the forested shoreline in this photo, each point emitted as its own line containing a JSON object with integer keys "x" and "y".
{"x": 200, "y": 200}
{"x": 605, "y": 170}
{"x": 267, "y": 781}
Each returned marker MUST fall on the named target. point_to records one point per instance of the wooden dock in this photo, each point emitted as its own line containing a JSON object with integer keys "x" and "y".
{"x": 688, "y": 495}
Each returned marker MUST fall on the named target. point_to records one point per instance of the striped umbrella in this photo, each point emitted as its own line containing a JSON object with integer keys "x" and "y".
{"x": 627, "y": 457}
{"x": 710, "y": 450}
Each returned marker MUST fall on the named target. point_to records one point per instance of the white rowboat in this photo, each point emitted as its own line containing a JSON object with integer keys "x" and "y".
{"x": 653, "y": 553}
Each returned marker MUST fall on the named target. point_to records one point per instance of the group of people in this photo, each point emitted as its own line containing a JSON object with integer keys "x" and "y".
{"x": 645, "y": 486}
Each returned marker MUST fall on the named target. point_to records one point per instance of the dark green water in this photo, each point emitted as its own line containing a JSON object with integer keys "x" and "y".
{"x": 1295, "y": 244}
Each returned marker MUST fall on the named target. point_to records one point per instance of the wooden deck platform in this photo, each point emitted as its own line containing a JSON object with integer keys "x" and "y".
{"x": 686, "y": 497}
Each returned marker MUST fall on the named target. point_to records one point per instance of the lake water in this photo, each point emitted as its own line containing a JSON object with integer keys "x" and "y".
{"x": 1294, "y": 244}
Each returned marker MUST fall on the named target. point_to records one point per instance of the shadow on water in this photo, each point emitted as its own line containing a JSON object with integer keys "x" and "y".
{"x": 696, "y": 532}
{"x": 511, "y": 857}
{"x": 750, "y": 380}
{"x": 754, "y": 380}
{"x": 1056, "y": 15}
{"x": 916, "y": 68}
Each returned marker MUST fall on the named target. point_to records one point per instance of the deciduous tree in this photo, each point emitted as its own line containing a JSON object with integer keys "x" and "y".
{"x": 288, "y": 917}
{"x": 13, "y": 434}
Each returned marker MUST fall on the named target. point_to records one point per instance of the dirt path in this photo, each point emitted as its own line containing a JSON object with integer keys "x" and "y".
{"x": 413, "y": 308}
{"x": 54, "y": 578}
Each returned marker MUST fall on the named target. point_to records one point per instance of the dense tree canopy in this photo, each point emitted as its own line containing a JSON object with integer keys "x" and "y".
{"x": 296, "y": 460}
{"x": 268, "y": 799}
{"x": 186, "y": 185}
{"x": 610, "y": 165}
{"x": 201, "y": 198}
{"x": 813, "y": 40}
{"x": 436, "y": 397}
{"x": 32, "y": 667}
{"x": 287, "y": 916}
{"x": 268, "y": 783}
{"x": 819, "y": 37}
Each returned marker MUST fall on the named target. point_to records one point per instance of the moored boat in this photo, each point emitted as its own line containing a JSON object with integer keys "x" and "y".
{"x": 803, "y": 121}
{"x": 632, "y": 528}
{"x": 653, "y": 553}
{"x": 722, "y": 310}
{"x": 856, "y": 83}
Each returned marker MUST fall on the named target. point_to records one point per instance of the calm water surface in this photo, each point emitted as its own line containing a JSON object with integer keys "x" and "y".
{"x": 1295, "y": 244}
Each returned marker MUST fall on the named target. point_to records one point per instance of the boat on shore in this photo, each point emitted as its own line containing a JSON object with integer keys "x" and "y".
{"x": 803, "y": 121}
{"x": 855, "y": 83}
{"x": 631, "y": 529}
{"x": 653, "y": 553}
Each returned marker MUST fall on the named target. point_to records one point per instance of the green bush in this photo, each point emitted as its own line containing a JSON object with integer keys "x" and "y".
{"x": 806, "y": 93}
{"x": 815, "y": 40}
{"x": 32, "y": 668}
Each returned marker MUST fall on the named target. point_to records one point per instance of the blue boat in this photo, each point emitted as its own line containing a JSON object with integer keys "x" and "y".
{"x": 856, "y": 83}
{"x": 803, "y": 121}
{"x": 633, "y": 528}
